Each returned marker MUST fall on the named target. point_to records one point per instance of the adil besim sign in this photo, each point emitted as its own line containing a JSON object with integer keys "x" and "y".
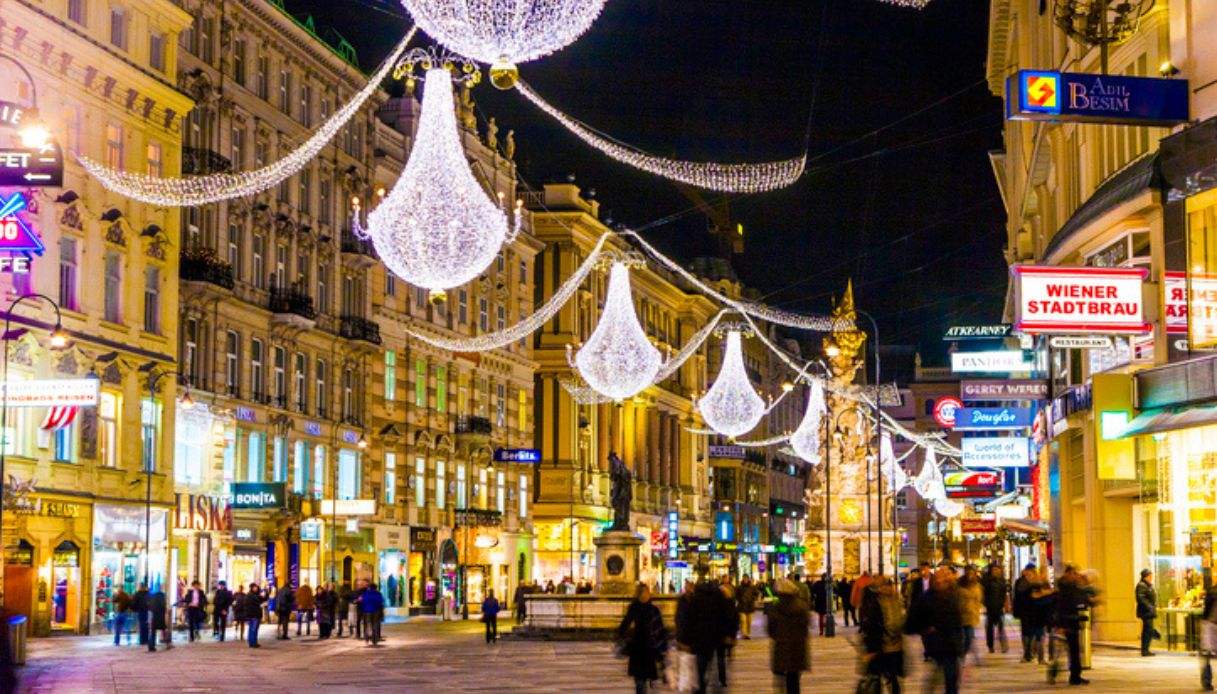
{"x": 1079, "y": 300}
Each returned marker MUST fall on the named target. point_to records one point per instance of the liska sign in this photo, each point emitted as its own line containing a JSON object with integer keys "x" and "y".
{"x": 1089, "y": 98}
{"x": 1079, "y": 300}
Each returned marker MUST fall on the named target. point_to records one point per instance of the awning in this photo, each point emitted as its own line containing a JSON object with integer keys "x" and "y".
{"x": 1026, "y": 526}
{"x": 1171, "y": 419}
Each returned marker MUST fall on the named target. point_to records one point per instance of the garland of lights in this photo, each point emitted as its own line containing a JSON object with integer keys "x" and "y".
{"x": 189, "y": 191}
{"x": 437, "y": 228}
{"x": 731, "y": 406}
{"x": 915, "y": 4}
{"x": 726, "y": 178}
{"x": 617, "y": 361}
{"x": 502, "y": 338}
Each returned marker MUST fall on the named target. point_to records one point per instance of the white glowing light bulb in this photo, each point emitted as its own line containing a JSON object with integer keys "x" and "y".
{"x": 806, "y": 439}
{"x": 437, "y": 228}
{"x": 618, "y": 361}
{"x": 731, "y": 406}
{"x": 511, "y": 31}
{"x": 929, "y": 483}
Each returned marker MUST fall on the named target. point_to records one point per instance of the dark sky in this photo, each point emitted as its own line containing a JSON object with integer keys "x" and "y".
{"x": 902, "y": 197}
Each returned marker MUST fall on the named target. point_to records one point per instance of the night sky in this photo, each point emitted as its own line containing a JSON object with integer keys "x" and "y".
{"x": 901, "y": 197}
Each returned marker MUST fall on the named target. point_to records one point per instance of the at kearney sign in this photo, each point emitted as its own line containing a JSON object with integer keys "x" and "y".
{"x": 1089, "y": 98}
{"x": 976, "y": 332}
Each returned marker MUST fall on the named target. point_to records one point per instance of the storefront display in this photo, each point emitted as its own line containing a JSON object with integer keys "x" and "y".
{"x": 65, "y": 586}
{"x": 119, "y": 556}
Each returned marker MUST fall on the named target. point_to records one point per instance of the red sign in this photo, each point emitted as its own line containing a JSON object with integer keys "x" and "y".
{"x": 1200, "y": 299}
{"x": 15, "y": 236}
{"x": 944, "y": 411}
{"x": 1075, "y": 300}
{"x": 972, "y": 484}
{"x": 659, "y": 541}
{"x": 977, "y": 526}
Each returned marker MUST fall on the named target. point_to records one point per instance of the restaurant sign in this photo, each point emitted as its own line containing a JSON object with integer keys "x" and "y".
{"x": 1079, "y": 300}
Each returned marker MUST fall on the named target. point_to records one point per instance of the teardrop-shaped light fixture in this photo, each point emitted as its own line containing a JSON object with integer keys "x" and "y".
{"x": 806, "y": 439}
{"x": 731, "y": 406}
{"x": 618, "y": 361}
{"x": 893, "y": 475}
{"x": 437, "y": 228}
{"x": 929, "y": 483}
{"x": 948, "y": 508}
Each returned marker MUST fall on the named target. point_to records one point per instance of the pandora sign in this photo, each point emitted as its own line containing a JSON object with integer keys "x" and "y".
{"x": 1076, "y": 300}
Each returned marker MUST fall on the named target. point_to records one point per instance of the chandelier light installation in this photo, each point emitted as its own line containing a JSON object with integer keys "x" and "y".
{"x": 731, "y": 406}
{"x": 929, "y": 483}
{"x": 200, "y": 190}
{"x": 618, "y": 360}
{"x": 437, "y": 228}
{"x": 806, "y": 439}
{"x": 504, "y": 32}
{"x": 727, "y": 178}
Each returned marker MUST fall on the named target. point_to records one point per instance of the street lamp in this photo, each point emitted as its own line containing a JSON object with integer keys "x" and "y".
{"x": 58, "y": 340}
{"x": 878, "y": 433}
{"x": 34, "y": 133}
{"x": 154, "y": 379}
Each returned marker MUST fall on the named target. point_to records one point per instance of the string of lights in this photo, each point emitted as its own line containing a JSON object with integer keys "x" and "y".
{"x": 199, "y": 190}
{"x": 727, "y": 178}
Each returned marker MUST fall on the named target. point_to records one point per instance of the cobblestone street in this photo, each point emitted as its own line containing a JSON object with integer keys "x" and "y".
{"x": 429, "y": 656}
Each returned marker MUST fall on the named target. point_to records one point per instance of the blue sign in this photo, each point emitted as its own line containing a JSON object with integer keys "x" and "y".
{"x": 673, "y": 535}
{"x": 517, "y": 455}
{"x": 312, "y": 428}
{"x": 1090, "y": 98}
{"x": 15, "y": 236}
{"x": 678, "y": 564}
{"x": 992, "y": 418}
{"x": 247, "y": 414}
{"x": 349, "y": 436}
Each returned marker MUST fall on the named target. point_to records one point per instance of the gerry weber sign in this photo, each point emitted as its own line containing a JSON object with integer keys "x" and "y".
{"x": 1089, "y": 98}
{"x": 1078, "y": 300}
{"x": 1005, "y": 389}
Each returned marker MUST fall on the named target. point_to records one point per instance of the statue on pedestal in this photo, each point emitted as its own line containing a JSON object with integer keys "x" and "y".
{"x": 622, "y": 492}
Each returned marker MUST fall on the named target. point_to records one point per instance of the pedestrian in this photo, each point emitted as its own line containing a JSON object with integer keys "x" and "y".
{"x": 856, "y": 590}
{"x": 937, "y": 617}
{"x": 490, "y": 615}
{"x": 343, "y": 607}
{"x": 645, "y": 639}
{"x": 372, "y": 604}
{"x": 195, "y": 602}
{"x": 139, "y": 602}
{"x": 882, "y": 629}
{"x": 285, "y": 603}
{"x": 304, "y": 608}
{"x": 1023, "y": 610}
{"x": 1071, "y": 600}
{"x": 157, "y": 609}
{"x": 1208, "y": 639}
{"x": 251, "y": 612}
{"x": 997, "y": 595}
{"x": 789, "y": 619}
{"x": 844, "y": 590}
{"x": 700, "y": 626}
{"x": 745, "y": 602}
{"x": 920, "y": 586}
{"x": 220, "y": 607}
{"x": 238, "y": 610}
{"x": 361, "y": 587}
{"x": 1147, "y": 610}
{"x": 819, "y": 599}
{"x": 971, "y": 596}
{"x": 326, "y": 599}
{"x": 730, "y": 629}
{"x": 1043, "y": 613}
{"x": 521, "y": 608}
{"x": 122, "y": 604}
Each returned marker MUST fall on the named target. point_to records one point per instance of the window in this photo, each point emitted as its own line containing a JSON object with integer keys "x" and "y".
{"x": 280, "y": 378}
{"x": 262, "y": 81}
{"x": 65, "y": 444}
{"x": 420, "y": 482}
{"x": 522, "y": 415}
{"x": 207, "y": 32}
{"x": 259, "y": 268}
{"x": 483, "y": 488}
{"x": 500, "y": 318}
{"x": 238, "y": 61}
{"x": 441, "y": 389}
{"x": 107, "y": 429}
{"x": 523, "y": 497}
{"x": 462, "y": 307}
{"x": 462, "y": 394}
{"x": 319, "y": 474}
{"x": 256, "y": 383}
{"x": 348, "y": 389}
{"x": 285, "y": 91}
{"x": 256, "y": 457}
{"x": 322, "y": 392}
{"x": 523, "y": 272}
{"x": 390, "y": 478}
{"x": 152, "y": 300}
{"x": 498, "y": 262}
{"x": 73, "y": 128}
{"x": 232, "y": 368}
{"x": 483, "y": 315}
{"x": 76, "y": 11}
{"x": 299, "y": 378}
{"x": 348, "y": 474}
{"x": 501, "y": 493}
{"x": 323, "y": 288}
{"x": 500, "y": 404}
{"x": 420, "y": 297}
{"x": 113, "y": 286}
{"x": 300, "y": 468}
{"x": 323, "y": 202}
{"x": 189, "y": 443}
{"x": 440, "y": 481}
{"x": 279, "y": 458}
{"x": 156, "y": 166}
{"x": 306, "y": 191}
{"x": 150, "y": 417}
{"x": 118, "y": 27}
{"x": 390, "y": 284}
{"x": 280, "y": 276}
{"x": 67, "y": 272}
{"x": 234, "y": 249}
{"x": 190, "y": 350}
{"x": 462, "y": 499}
{"x": 238, "y": 148}
{"x": 306, "y": 105}
{"x": 390, "y": 375}
{"x": 156, "y": 51}
{"x": 114, "y": 146}
{"x": 420, "y": 383}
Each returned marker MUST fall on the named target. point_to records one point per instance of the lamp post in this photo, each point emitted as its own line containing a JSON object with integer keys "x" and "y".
{"x": 59, "y": 339}
{"x": 154, "y": 380}
{"x": 878, "y": 432}
{"x": 34, "y": 134}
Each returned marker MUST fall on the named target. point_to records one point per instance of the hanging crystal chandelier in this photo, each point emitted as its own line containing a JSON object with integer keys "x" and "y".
{"x": 618, "y": 361}
{"x": 929, "y": 483}
{"x": 437, "y": 228}
{"x": 893, "y": 475}
{"x": 948, "y": 508}
{"x": 504, "y": 32}
{"x": 731, "y": 406}
{"x": 806, "y": 439}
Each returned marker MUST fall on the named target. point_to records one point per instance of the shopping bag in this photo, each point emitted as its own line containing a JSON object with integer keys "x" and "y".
{"x": 687, "y": 665}
{"x": 1208, "y": 636}
{"x": 870, "y": 684}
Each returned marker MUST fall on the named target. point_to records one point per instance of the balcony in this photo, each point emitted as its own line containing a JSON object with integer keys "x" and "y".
{"x": 472, "y": 431}
{"x": 203, "y": 265}
{"x": 353, "y": 245}
{"x": 197, "y": 161}
{"x": 293, "y": 306}
{"x": 359, "y": 328}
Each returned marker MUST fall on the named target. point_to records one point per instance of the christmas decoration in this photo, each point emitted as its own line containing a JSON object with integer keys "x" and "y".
{"x": 929, "y": 483}
{"x": 806, "y": 439}
{"x": 618, "y": 361}
{"x": 731, "y": 406}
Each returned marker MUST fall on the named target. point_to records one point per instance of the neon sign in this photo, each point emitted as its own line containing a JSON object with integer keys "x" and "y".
{"x": 15, "y": 236}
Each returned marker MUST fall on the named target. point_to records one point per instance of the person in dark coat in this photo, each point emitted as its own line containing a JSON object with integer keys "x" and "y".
{"x": 938, "y": 618}
{"x": 745, "y": 602}
{"x": 139, "y": 603}
{"x": 521, "y": 607}
{"x": 490, "y": 616}
{"x": 1147, "y": 609}
{"x": 701, "y": 626}
{"x": 819, "y": 600}
{"x": 238, "y": 610}
{"x": 730, "y": 628}
{"x": 326, "y": 600}
{"x": 251, "y": 612}
{"x": 645, "y": 639}
{"x": 1024, "y": 609}
{"x": 343, "y": 607}
{"x": 285, "y": 604}
{"x": 122, "y": 605}
{"x": 996, "y": 593}
{"x": 221, "y": 606}
{"x": 157, "y": 607}
{"x": 789, "y": 620}
{"x": 882, "y": 629}
{"x": 1071, "y": 600}
{"x": 372, "y": 604}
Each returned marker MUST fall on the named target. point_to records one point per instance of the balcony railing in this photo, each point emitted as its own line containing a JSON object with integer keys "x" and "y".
{"x": 353, "y": 244}
{"x": 469, "y": 424}
{"x": 205, "y": 266}
{"x": 359, "y": 328}
{"x": 291, "y": 300}
{"x": 198, "y": 161}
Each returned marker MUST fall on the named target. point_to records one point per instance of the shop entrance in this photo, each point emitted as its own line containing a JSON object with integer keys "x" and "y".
{"x": 247, "y": 567}
{"x": 393, "y": 572}
{"x": 19, "y": 579}
{"x": 422, "y": 586}
{"x": 65, "y": 582}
